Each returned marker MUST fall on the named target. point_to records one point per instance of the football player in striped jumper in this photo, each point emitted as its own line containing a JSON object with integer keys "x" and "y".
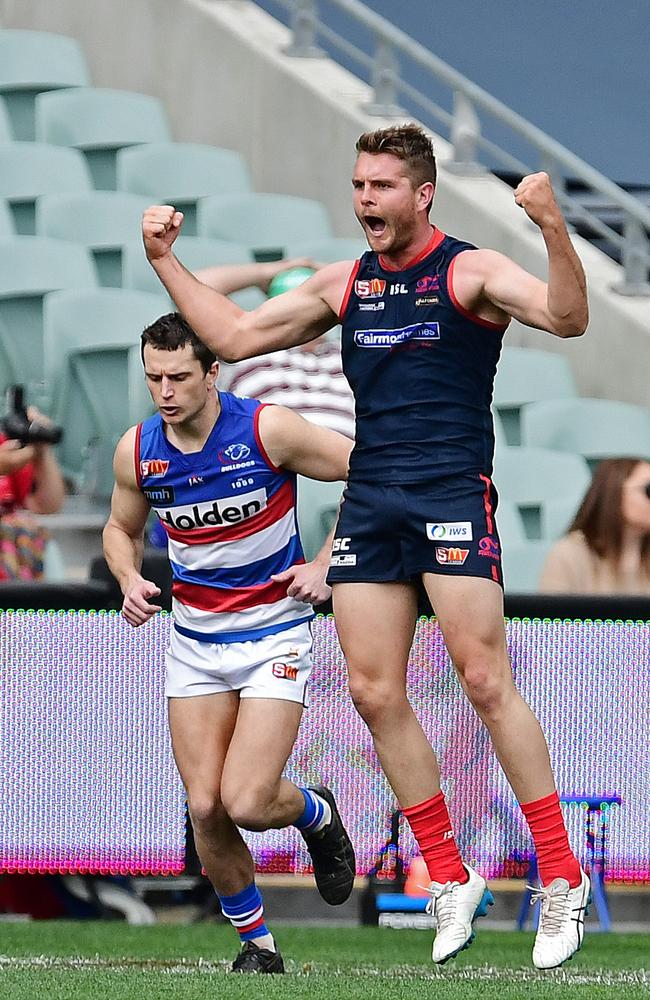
{"x": 220, "y": 474}
{"x": 423, "y": 315}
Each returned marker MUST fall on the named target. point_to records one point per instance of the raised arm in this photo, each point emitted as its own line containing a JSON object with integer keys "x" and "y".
{"x": 496, "y": 288}
{"x": 300, "y": 315}
{"x": 124, "y": 536}
{"x": 229, "y": 278}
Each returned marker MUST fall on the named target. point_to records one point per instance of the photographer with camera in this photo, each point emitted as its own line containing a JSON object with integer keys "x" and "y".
{"x": 30, "y": 483}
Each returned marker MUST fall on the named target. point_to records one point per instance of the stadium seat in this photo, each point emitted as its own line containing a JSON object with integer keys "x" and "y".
{"x": 32, "y": 62}
{"x": 31, "y": 266}
{"x": 79, "y": 318}
{"x": 266, "y": 223}
{"x": 557, "y": 515}
{"x": 6, "y": 131}
{"x": 530, "y": 477}
{"x": 509, "y": 523}
{"x": 327, "y": 251}
{"x": 101, "y": 220}
{"x": 99, "y": 121}
{"x": 102, "y": 393}
{"x": 31, "y": 169}
{"x": 179, "y": 173}
{"x": 594, "y": 428}
{"x": 194, "y": 251}
{"x": 317, "y": 509}
{"x": 522, "y": 566}
{"x": 7, "y": 228}
{"x": 525, "y": 375}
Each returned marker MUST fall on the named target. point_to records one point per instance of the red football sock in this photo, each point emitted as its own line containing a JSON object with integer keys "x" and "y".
{"x": 431, "y": 828}
{"x": 555, "y": 859}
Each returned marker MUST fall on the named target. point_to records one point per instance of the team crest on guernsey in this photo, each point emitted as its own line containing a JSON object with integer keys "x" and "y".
{"x": 155, "y": 467}
{"x": 371, "y": 288}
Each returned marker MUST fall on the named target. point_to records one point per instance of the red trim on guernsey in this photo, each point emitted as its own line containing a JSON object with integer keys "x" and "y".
{"x": 436, "y": 239}
{"x": 461, "y": 309}
{"x": 230, "y": 599}
{"x": 487, "y": 503}
{"x": 348, "y": 289}
{"x": 258, "y": 439}
{"x": 280, "y": 504}
{"x": 136, "y": 455}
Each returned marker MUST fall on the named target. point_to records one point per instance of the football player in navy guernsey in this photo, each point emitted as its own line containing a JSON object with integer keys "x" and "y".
{"x": 423, "y": 316}
{"x": 220, "y": 473}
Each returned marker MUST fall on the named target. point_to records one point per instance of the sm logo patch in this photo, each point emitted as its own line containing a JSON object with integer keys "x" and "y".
{"x": 154, "y": 467}
{"x": 285, "y": 671}
{"x": 451, "y": 557}
{"x": 372, "y": 288}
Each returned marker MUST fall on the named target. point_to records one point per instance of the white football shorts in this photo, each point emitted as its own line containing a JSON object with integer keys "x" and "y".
{"x": 276, "y": 666}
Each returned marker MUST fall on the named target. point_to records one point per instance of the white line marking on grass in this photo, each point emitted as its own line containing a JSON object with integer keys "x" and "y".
{"x": 485, "y": 973}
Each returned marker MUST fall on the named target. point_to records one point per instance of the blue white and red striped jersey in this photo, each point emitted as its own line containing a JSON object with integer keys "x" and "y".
{"x": 230, "y": 519}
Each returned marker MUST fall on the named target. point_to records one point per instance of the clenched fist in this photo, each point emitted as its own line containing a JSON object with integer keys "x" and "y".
{"x": 535, "y": 196}
{"x": 161, "y": 224}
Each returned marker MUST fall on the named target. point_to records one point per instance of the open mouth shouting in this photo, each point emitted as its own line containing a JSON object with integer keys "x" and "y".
{"x": 375, "y": 226}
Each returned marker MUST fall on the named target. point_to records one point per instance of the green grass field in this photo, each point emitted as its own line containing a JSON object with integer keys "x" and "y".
{"x": 63, "y": 960}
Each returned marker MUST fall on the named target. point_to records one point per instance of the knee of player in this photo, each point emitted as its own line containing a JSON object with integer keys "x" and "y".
{"x": 205, "y": 807}
{"x": 487, "y": 684}
{"x": 247, "y": 807}
{"x": 375, "y": 699}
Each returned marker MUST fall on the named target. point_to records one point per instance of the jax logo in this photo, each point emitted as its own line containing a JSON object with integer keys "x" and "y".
{"x": 449, "y": 531}
{"x": 429, "y": 283}
{"x": 418, "y": 332}
{"x": 489, "y": 547}
{"x": 153, "y": 467}
{"x": 234, "y": 453}
{"x": 372, "y": 288}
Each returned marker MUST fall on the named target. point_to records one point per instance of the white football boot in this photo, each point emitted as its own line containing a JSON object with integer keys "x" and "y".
{"x": 561, "y": 920}
{"x": 455, "y": 907}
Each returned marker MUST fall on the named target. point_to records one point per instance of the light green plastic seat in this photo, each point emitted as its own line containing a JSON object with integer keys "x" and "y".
{"x": 318, "y": 509}
{"x": 31, "y": 266}
{"x": 6, "y": 129}
{"x": 102, "y": 394}
{"x": 525, "y": 375}
{"x": 327, "y": 251}
{"x": 32, "y": 62}
{"x": 522, "y": 566}
{"x": 31, "y": 169}
{"x": 79, "y": 318}
{"x": 101, "y": 220}
{"x": 531, "y": 477}
{"x": 266, "y": 223}
{"x": 179, "y": 173}
{"x": 509, "y": 523}
{"x": 7, "y": 227}
{"x": 594, "y": 428}
{"x": 99, "y": 121}
{"x": 195, "y": 252}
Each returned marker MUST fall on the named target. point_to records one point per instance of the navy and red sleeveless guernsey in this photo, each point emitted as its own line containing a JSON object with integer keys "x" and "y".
{"x": 230, "y": 519}
{"x": 421, "y": 368}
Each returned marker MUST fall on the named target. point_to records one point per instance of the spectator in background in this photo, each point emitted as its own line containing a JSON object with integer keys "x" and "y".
{"x": 607, "y": 547}
{"x": 30, "y": 483}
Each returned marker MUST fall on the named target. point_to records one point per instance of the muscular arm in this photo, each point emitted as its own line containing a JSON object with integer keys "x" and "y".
{"x": 308, "y": 449}
{"x": 298, "y": 316}
{"x": 123, "y": 536}
{"x": 496, "y": 288}
{"x": 228, "y": 278}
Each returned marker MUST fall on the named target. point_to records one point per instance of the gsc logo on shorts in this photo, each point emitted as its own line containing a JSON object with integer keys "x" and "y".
{"x": 445, "y": 531}
{"x": 341, "y": 555}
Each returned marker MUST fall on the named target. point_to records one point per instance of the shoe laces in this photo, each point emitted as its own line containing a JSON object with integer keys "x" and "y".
{"x": 442, "y": 904}
{"x": 554, "y": 901}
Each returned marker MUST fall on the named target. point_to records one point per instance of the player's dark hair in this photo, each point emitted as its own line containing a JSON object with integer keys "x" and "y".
{"x": 170, "y": 332}
{"x": 600, "y": 517}
{"x": 409, "y": 143}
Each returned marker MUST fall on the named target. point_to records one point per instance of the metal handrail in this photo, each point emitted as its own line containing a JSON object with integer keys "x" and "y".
{"x": 463, "y": 127}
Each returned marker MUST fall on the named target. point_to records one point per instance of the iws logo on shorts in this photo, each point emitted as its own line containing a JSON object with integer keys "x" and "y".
{"x": 460, "y": 531}
{"x": 451, "y": 556}
{"x": 416, "y": 333}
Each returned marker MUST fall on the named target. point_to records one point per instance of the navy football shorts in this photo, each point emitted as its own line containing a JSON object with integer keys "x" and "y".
{"x": 390, "y": 533}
